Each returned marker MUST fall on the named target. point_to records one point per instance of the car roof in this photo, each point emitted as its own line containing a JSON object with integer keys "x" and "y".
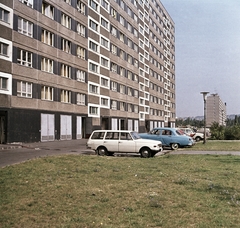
{"x": 165, "y": 128}
{"x": 125, "y": 131}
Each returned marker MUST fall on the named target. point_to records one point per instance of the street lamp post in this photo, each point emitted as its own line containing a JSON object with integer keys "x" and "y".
{"x": 204, "y": 100}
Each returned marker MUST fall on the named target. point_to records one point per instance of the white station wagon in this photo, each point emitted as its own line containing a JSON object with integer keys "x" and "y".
{"x": 108, "y": 142}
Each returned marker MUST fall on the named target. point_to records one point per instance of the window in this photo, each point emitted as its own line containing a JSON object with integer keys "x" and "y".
{"x": 80, "y": 75}
{"x": 130, "y": 108}
{"x": 24, "y": 58}
{"x": 122, "y": 71}
{"x": 114, "y": 49}
{"x": 122, "y": 4}
{"x": 47, "y": 93}
{"x": 114, "y": 86}
{"x": 81, "y": 52}
{"x": 81, "y": 29}
{"x": 129, "y": 27}
{"x": 122, "y": 106}
{"x": 93, "y": 67}
{"x": 122, "y": 89}
{"x": 104, "y": 4}
{"x": 47, "y": 37}
{"x": 93, "y": 110}
{"x": 114, "y": 67}
{"x": 104, "y": 42}
{"x": 68, "y": 1}
{"x": 129, "y": 43}
{"x": 65, "y": 96}
{"x": 122, "y": 54}
{"x": 25, "y": 27}
{"x": 93, "y": 89}
{"x": 121, "y": 37}
{"x": 113, "y": 13}
{"x": 65, "y": 71}
{"x": 114, "y": 31}
{"x": 4, "y": 49}
{"x": 3, "y": 83}
{"x": 94, "y": 5}
{"x": 24, "y": 89}
{"x": 104, "y": 62}
{"x": 47, "y": 65}
{"x": 47, "y": 10}
{"x": 104, "y": 101}
{"x": 27, "y": 2}
{"x": 122, "y": 20}
{"x": 104, "y": 23}
{"x": 93, "y": 46}
{"x": 93, "y": 25}
{"x": 4, "y": 15}
{"x": 114, "y": 105}
{"x": 66, "y": 46}
{"x": 81, "y": 7}
{"x": 81, "y": 99}
{"x": 66, "y": 20}
{"x": 129, "y": 59}
{"x": 104, "y": 82}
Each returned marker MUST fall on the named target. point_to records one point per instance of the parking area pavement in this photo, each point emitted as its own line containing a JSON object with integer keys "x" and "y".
{"x": 16, "y": 153}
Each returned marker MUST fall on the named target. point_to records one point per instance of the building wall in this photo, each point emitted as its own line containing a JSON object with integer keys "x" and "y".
{"x": 215, "y": 110}
{"x": 112, "y": 63}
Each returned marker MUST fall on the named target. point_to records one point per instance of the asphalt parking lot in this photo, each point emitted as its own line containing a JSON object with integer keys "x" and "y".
{"x": 11, "y": 154}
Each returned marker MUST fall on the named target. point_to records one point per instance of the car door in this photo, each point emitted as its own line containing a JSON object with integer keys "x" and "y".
{"x": 126, "y": 143}
{"x": 167, "y": 137}
{"x": 111, "y": 141}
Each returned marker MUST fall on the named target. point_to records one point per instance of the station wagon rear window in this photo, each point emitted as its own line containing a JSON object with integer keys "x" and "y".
{"x": 98, "y": 135}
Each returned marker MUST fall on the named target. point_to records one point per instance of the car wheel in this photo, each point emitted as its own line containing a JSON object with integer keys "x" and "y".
{"x": 101, "y": 151}
{"x": 145, "y": 153}
{"x": 174, "y": 146}
{"x": 197, "y": 139}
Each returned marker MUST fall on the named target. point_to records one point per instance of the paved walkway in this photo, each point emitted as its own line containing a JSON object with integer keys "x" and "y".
{"x": 16, "y": 153}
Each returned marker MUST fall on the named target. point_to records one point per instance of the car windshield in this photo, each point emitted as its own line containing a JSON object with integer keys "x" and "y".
{"x": 180, "y": 132}
{"x": 135, "y": 135}
{"x": 153, "y": 131}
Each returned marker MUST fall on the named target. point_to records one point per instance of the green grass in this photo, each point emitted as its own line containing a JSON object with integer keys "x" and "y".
{"x": 217, "y": 145}
{"x": 91, "y": 191}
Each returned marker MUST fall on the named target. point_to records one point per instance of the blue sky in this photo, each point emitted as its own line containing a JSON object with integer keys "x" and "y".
{"x": 207, "y": 36}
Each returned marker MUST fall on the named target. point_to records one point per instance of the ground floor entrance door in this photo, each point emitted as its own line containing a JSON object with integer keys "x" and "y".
{"x": 66, "y": 127}
{"x": 47, "y": 127}
{"x": 79, "y": 127}
{"x": 2, "y": 130}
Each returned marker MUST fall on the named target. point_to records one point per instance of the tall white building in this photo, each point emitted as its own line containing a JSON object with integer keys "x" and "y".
{"x": 68, "y": 67}
{"x": 215, "y": 110}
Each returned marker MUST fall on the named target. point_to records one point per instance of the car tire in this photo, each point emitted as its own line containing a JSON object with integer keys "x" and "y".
{"x": 145, "y": 152}
{"x": 101, "y": 151}
{"x": 174, "y": 146}
{"x": 198, "y": 139}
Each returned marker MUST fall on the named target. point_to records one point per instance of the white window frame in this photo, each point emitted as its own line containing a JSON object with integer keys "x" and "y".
{"x": 47, "y": 93}
{"x": 93, "y": 88}
{"x": 9, "y": 11}
{"x": 47, "y": 37}
{"x": 25, "y": 27}
{"x": 104, "y": 82}
{"x": 24, "y": 89}
{"x": 8, "y": 55}
{"x": 8, "y": 90}
{"x": 48, "y": 10}
{"x": 65, "y": 96}
{"x": 81, "y": 75}
{"x": 81, "y": 7}
{"x": 66, "y": 70}
{"x": 81, "y": 99}
{"x": 47, "y": 65}
{"x": 93, "y": 110}
{"x": 66, "y": 20}
{"x": 24, "y": 58}
{"x": 81, "y": 29}
{"x": 27, "y": 2}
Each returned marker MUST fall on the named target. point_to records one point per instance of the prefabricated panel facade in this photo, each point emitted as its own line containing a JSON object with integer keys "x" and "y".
{"x": 68, "y": 67}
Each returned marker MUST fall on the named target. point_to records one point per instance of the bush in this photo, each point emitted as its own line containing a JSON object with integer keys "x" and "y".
{"x": 232, "y": 133}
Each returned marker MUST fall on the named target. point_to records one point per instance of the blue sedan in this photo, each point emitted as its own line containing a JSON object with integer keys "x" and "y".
{"x": 170, "y": 137}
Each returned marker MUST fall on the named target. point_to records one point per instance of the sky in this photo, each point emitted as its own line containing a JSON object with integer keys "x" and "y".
{"x": 207, "y": 53}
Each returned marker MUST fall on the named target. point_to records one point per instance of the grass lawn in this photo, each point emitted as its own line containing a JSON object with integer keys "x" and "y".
{"x": 217, "y": 145}
{"x": 92, "y": 191}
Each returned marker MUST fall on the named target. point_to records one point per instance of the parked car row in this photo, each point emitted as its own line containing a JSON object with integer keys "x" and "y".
{"x": 195, "y": 135}
{"x": 108, "y": 142}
